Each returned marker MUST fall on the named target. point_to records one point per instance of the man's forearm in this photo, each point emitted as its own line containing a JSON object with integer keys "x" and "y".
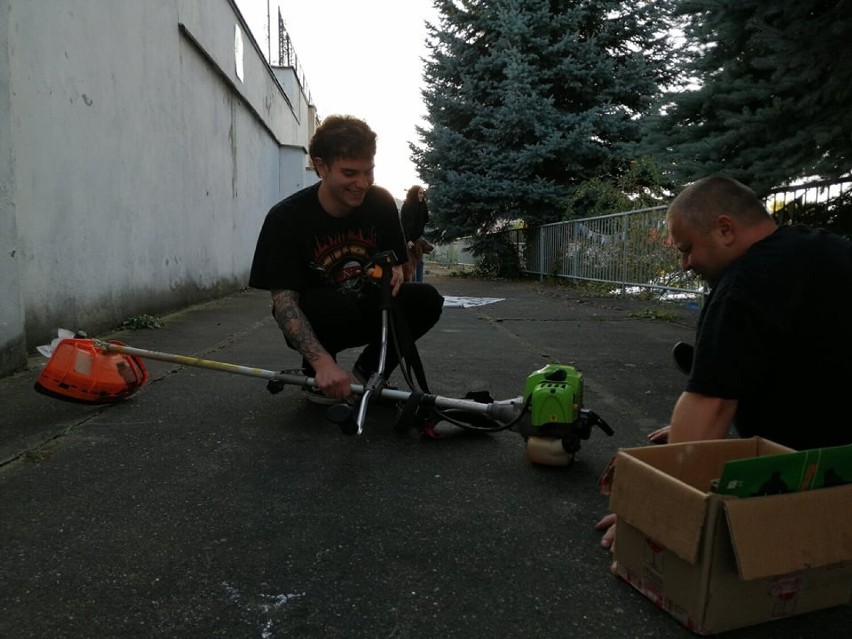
{"x": 295, "y": 325}
{"x": 698, "y": 417}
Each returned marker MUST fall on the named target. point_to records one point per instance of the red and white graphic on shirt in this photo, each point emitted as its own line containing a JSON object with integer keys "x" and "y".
{"x": 343, "y": 256}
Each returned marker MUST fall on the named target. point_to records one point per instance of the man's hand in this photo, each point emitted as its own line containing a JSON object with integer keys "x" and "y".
{"x": 331, "y": 379}
{"x": 660, "y": 436}
{"x": 607, "y": 524}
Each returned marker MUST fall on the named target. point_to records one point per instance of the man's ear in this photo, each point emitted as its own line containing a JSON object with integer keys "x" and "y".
{"x": 320, "y": 167}
{"x": 726, "y": 228}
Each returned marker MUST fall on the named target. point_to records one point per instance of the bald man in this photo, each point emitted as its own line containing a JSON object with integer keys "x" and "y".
{"x": 773, "y": 347}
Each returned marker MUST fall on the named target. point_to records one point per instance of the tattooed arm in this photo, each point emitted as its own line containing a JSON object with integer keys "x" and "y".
{"x": 330, "y": 378}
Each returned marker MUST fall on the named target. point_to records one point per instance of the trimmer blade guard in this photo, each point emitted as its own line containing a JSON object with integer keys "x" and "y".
{"x": 80, "y": 371}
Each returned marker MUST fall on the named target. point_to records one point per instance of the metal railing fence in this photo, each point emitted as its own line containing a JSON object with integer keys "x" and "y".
{"x": 822, "y": 192}
{"x": 630, "y": 250}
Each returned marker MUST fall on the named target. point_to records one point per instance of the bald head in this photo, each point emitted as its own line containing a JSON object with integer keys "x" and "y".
{"x": 703, "y": 201}
{"x": 714, "y": 221}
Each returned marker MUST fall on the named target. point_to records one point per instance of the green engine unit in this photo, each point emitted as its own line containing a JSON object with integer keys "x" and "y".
{"x": 554, "y": 395}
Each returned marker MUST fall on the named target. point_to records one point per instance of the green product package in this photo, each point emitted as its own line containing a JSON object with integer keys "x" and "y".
{"x": 787, "y": 473}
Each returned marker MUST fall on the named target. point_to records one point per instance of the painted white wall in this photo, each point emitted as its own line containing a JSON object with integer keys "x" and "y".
{"x": 12, "y": 342}
{"x": 142, "y": 156}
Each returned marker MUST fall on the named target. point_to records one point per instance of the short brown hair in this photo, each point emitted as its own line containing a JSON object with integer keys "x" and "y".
{"x": 342, "y": 136}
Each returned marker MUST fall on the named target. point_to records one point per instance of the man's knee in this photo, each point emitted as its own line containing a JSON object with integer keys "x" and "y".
{"x": 421, "y": 303}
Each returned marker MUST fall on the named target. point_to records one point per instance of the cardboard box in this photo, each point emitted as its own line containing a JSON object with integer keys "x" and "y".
{"x": 718, "y": 562}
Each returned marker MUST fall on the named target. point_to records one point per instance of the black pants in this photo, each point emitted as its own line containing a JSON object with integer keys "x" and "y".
{"x": 343, "y": 321}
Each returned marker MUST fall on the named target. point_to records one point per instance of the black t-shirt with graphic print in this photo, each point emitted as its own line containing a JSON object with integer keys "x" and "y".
{"x": 302, "y": 247}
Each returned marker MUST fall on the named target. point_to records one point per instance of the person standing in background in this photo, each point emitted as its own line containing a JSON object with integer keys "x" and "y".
{"x": 415, "y": 215}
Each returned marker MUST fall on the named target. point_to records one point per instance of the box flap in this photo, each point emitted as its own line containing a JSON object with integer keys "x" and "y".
{"x": 698, "y": 463}
{"x": 777, "y": 534}
{"x": 669, "y": 511}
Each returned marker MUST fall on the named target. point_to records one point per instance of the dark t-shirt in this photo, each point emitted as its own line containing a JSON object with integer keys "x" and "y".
{"x": 774, "y": 334}
{"x": 301, "y": 247}
{"x": 414, "y": 215}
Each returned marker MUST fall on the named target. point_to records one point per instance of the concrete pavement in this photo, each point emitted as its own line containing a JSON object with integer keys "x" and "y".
{"x": 206, "y": 507}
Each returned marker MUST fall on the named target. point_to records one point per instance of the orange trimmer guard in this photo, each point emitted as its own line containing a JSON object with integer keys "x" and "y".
{"x": 81, "y": 371}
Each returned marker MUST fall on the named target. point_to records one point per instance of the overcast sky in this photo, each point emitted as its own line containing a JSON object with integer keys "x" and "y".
{"x": 361, "y": 58}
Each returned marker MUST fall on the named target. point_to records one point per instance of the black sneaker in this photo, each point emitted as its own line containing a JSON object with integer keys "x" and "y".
{"x": 316, "y": 396}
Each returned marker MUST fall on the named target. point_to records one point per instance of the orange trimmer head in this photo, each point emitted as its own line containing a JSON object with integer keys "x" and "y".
{"x": 80, "y": 370}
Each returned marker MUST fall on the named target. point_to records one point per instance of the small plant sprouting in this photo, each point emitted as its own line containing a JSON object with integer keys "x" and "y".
{"x": 140, "y": 322}
{"x": 653, "y": 314}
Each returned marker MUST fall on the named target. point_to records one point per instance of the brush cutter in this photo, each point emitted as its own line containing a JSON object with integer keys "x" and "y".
{"x": 548, "y": 415}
